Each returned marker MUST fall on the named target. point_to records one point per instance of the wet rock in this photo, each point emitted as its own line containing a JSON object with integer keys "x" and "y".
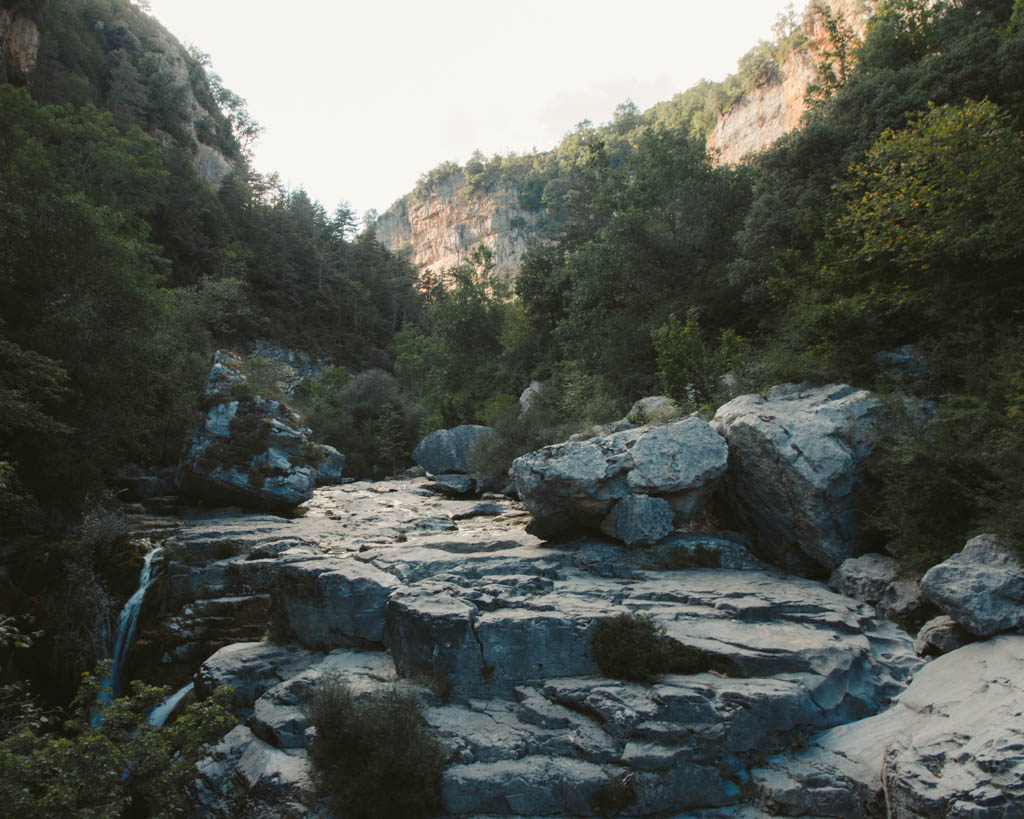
{"x": 575, "y": 484}
{"x": 981, "y": 587}
{"x": 794, "y": 458}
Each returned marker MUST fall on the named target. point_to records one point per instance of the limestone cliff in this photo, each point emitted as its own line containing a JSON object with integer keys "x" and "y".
{"x": 773, "y": 110}
{"x": 19, "y": 46}
{"x": 439, "y": 224}
{"x": 144, "y": 76}
{"x": 437, "y": 228}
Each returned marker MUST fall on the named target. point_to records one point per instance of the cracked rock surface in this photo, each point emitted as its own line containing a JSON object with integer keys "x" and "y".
{"x": 388, "y": 581}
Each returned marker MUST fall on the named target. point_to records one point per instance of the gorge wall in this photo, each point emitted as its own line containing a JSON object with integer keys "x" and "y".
{"x": 437, "y": 228}
{"x": 773, "y": 110}
{"x": 135, "y": 68}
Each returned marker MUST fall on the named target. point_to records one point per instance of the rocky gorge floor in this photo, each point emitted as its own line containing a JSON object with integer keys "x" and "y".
{"x": 383, "y": 581}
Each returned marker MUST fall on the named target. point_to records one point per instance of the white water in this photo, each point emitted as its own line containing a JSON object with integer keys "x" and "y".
{"x": 158, "y": 716}
{"x": 126, "y": 625}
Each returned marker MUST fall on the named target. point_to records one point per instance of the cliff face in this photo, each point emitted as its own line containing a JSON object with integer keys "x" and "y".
{"x": 773, "y": 110}
{"x": 19, "y": 46}
{"x": 438, "y": 229}
{"x": 130, "y": 43}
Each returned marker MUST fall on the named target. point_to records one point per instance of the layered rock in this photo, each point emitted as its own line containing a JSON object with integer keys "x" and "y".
{"x": 577, "y": 484}
{"x": 794, "y": 458}
{"x": 247, "y": 449}
{"x": 953, "y": 745}
{"x": 438, "y": 228}
{"x": 775, "y": 108}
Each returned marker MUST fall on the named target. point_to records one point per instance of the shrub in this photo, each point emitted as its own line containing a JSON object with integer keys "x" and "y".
{"x": 97, "y": 767}
{"x": 634, "y": 647}
{"x": 373, "y": 753}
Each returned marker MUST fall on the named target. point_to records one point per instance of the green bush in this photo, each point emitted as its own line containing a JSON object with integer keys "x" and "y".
{"x": 373, "y": 753}
{"x": 98, "y": 767}
{"x": 634, "y": 647}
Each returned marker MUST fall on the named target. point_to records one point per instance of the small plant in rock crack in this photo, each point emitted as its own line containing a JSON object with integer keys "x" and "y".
{"x": 373, "y": 753}
{"x": 614, "y": 796}
{"x": 634, "y": 647}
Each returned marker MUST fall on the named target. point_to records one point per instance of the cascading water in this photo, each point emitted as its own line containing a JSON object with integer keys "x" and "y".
{"x": 126, "y": 625}
{"x": 159, "y": 715}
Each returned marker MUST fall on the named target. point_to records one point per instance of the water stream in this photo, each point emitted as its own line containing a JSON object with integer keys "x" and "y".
{"x": 126, "y": 625}
{"x": 158, "y": 716}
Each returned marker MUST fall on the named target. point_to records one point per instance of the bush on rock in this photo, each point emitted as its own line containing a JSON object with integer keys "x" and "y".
{"x": 373, "y": 753}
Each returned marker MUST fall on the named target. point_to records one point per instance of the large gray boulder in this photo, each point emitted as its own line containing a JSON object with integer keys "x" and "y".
{"x": 981, "y": 587}
{"x": 329, "y": 472}
{"x": 576, "y": 484}
{"x": 246, "y": 449}
{"x": 446, "y": 451}
{"x": 953, "y": 745}
{"x": 794, "y": 464}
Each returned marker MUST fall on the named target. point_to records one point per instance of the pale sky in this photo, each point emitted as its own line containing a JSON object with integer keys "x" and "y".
{"x": 359, "y": 99}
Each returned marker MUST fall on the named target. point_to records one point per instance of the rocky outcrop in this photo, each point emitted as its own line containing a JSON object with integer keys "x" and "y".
{"x": 437, "y": 228}
{"x": 794, "y": 457}
{"x": 772, "y": 110}
{"x": 247, "y": 449}
{"x": 877, "y": 580}
{"x": 577, "y": 484}
{"x": 501, "y": 623}
{"x": 19, "y": 46}
{"x": 981, "y": 587}
{"x": 291, "y": 367}
{"x": 953, "y": 745}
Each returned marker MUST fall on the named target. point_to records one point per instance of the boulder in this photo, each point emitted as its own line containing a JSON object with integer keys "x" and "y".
{"x": 246, "y": 449}
{"x": 454, "y": 485}
{"x": 250, "y": 669}
{"x": 941, "y": 635}
{"x": 981, "y": 587}
{"x": 794, "y": 458}
{"x": 328, "y": 473}
{"x": 639, "y": 519}
{"x": 529, "y": 396}
{"x": 577, "y": 483}
{"x": 446, "y": 450}
{"x": 654, "y": 409}
{"x": 137, "y": 483}
{"x": 865, "y": 578}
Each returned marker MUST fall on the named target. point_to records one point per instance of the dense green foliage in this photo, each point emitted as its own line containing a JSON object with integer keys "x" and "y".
{"x": 374, "y": 754}
{"x": 98, "y": 767}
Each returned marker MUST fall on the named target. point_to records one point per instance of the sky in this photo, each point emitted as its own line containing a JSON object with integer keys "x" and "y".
{"x": 359, "y": 99}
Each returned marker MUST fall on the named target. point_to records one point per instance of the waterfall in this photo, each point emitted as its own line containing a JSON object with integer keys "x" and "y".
{"x": 158, "y": 716}
{"x": 126, "y": 624}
